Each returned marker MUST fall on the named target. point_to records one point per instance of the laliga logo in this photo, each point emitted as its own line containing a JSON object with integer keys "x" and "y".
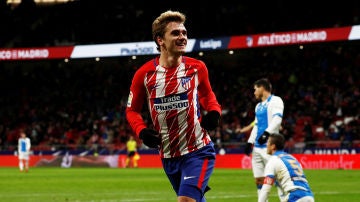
{"x": 137, "y": 51}
{"x": 213, "y": 44}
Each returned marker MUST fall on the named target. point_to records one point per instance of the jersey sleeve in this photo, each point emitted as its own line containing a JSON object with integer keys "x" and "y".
{"x": 277, "y": 110}
{"x": 28, "y": 144}
{"x": 135, "y": 102}
{"x": 270, "y": 167}
{"x": 264, "y": 193}
{"x": 207, "y": 97}
{"x": 269, "y": 180}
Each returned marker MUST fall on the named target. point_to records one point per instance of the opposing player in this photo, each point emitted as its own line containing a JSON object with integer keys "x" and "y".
{"x": 177, "y": 90}
{"x": 24, "y": 145}
{"x": 268, "y": 118}
{"x": 287, "y": 172}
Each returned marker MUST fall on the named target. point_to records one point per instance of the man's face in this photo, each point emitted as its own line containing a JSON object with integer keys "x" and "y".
{"x": 270, "y": 146}
{"x": 175, "y": 38}
{"x": 258, "y": 92}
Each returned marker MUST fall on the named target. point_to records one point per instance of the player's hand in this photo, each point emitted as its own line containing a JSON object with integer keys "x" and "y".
{"x": 248, "y": 149}
{"x": 264, "y": 137}
{"x": 150, "y": 137}
{"x": 211, "y": 120}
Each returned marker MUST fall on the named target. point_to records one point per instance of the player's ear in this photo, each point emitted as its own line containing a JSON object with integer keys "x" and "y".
{"x": 159, "y": 40}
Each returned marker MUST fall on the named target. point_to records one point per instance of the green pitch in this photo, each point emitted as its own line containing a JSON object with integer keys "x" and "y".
{"x": 142, "y": 185}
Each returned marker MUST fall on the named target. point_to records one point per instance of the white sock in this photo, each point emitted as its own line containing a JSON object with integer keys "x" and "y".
{"x": 21, "y": 165}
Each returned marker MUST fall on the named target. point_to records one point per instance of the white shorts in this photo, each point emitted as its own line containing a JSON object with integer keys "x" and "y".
{"x": 259, "y": 160}
{"x": 24, "y": 155}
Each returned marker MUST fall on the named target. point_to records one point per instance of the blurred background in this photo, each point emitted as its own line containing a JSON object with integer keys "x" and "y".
{"x": 79, "y": 104}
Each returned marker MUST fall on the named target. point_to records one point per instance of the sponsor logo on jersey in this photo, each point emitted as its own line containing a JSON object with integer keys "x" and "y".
{"x": 178, "y": 101}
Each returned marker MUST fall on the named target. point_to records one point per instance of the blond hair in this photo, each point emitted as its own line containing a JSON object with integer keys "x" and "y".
{"x": 160, "y": 23}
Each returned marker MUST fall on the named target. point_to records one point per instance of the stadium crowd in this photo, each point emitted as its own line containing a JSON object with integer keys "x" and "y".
{"x": 80, "y": 22}
{"x": 80, "y": 104}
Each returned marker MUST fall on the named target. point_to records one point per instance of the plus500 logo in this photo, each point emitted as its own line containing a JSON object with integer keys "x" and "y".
{"x": 137, "y": 51}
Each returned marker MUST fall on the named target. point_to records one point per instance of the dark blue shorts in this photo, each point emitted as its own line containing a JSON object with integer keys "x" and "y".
{"x": 190, "y": 174}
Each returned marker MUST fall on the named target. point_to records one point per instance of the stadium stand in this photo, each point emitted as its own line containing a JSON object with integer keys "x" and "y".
{"x": 80, "y": 104}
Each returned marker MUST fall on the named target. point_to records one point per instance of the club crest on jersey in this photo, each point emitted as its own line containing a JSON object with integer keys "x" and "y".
{"x": 185, "y": 82}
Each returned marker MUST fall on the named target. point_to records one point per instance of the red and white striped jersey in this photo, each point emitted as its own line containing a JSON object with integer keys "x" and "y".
{"x": 175, "y": 98}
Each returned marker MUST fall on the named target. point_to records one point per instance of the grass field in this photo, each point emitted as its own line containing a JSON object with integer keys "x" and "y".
{"x": 142, "y": 185}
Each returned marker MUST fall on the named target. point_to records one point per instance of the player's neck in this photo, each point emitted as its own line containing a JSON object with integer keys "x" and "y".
{"x": 265, "y": 96}
{"x": 168, "y": 61}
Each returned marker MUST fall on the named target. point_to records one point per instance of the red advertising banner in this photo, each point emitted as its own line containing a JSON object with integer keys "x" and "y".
{"x": 288, "y": 38}
{"x": 241, "y": 161}
{"x": 36, "y": 53}
{"x": 149, "y": 47}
